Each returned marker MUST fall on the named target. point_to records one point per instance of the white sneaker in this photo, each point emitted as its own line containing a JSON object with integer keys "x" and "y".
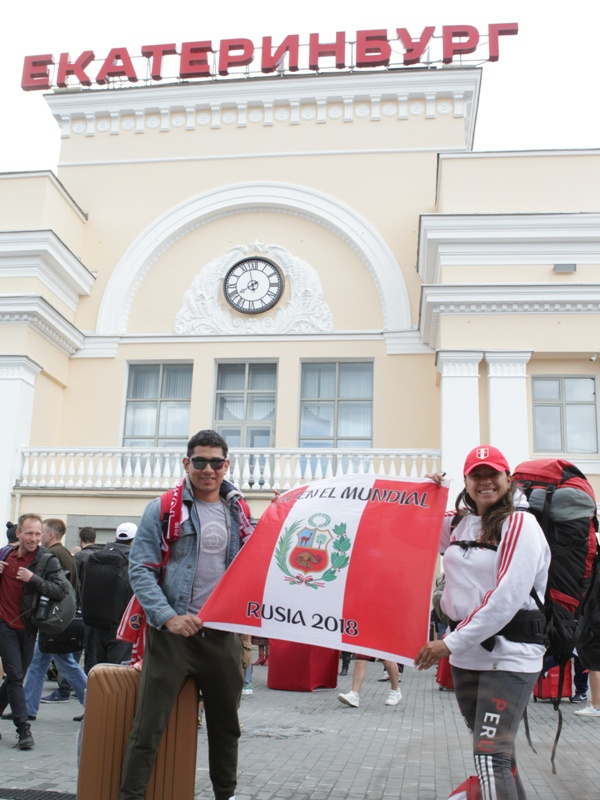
{"x": 349, "y": 699}
{"x": 247, "y": 690}
{"x": 394, "y": 697}
{"x": 588, "y": 711}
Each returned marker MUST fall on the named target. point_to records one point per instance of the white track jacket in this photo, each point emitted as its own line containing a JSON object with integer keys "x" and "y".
{"x": 486, "y": 588}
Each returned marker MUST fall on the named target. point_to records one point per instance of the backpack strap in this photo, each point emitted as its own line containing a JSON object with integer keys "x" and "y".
{"x": 5, "y": 551}
{"x": 40, "y": 567}
{"x": 527, "y": 732}
{"x": 470, "y": 544}
{"x": 561, "y": 662}
{"x": 455, "y": 521}
{"x": 165, "y": 510}
{"x": 545, "y": 521}
{"x": 170, "y": 522}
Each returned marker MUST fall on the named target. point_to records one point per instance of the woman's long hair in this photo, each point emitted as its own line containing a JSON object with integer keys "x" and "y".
{"x": 493, "y": 519}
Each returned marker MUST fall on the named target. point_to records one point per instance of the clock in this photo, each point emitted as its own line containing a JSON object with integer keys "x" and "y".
{"x": 253, "y": 285}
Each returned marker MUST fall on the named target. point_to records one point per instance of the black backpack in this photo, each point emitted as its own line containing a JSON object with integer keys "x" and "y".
{"x": 588, "y": 646}
{"x": 563, "y": 502}
{"x": 54, "y": 616}
{"x": 106, "y": 590}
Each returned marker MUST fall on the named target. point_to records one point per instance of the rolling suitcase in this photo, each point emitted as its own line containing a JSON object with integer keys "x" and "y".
{"x": 443, "y": 675}
{"x": 546, "y": 687}
{"x": 111, "y": 701}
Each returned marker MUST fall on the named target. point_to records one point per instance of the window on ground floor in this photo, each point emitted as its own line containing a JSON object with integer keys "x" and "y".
{"x": 158, "y": 402}
{"x": 245, "y": 404}
{"x": 565, "y": 415}
{"x": 336, "y": 405}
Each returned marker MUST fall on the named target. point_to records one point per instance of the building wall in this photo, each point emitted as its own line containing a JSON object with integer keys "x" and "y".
{"x": 434, "y": 263}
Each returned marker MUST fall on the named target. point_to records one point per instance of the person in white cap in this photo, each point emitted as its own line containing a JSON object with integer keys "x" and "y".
{"x": 126, "y": 532}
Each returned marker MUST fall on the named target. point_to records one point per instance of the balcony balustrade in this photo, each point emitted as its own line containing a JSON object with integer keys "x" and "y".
{"x": 251, "y": 470}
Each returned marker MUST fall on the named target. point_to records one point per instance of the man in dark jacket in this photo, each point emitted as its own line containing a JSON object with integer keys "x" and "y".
{"x": 110, "y": 581}
{"x": 87, "y": 541}
{"x": 20, "y": 589}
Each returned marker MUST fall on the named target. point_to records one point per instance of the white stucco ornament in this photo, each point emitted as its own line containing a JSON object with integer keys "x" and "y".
{"x": 302, "y": 309}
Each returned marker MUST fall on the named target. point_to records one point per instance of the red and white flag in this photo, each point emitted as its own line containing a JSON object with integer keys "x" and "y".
{"x": 345, "y": 563}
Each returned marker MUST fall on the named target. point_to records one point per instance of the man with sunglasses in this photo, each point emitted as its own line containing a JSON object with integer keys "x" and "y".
{"x": 171, "y": 590}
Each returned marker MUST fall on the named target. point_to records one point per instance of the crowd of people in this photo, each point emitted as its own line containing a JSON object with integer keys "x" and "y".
{"x": 26, "y": 655}
{"x": 496, "y": 559}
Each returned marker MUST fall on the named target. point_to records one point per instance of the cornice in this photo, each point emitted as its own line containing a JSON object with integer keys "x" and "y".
{"x": 497, "y": 239}
{"x": 99, "y": 347}
{"x": 530, "y": 299}
{"x": 487, "y": 154}
{"x": 458, "y": 363}
{"x": 507, "y": 363}
{"x": 36, "y": 312}
{"x": 41, "y": 254}
{"x": 406, "y": 343}
{"x": 18, "y": 367}
{"x": 397, "y": 342}
{"x": 401, "y": 95}
{"x": 50, "y": 176}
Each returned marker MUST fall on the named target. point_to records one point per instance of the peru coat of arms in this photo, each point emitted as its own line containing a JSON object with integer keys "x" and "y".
{"x": 312, "y": 553}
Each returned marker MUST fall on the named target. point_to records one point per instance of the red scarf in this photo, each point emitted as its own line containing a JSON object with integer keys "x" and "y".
{"x": 134, "y": 625}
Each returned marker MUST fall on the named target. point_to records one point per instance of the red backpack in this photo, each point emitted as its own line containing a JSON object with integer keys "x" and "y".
{"x": 563, "y": 502}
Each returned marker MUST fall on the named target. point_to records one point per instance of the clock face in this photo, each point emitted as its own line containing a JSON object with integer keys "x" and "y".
{"x": 253, "y": 285}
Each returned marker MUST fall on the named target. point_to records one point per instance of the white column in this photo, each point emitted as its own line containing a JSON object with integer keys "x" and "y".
{"x": 17, "y": 388}
{"x": 507, "y": 404}
{"x": 460, "y": 423}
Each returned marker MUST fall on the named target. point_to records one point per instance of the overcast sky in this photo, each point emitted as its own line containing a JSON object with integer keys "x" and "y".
{"x": 541, "y": 94}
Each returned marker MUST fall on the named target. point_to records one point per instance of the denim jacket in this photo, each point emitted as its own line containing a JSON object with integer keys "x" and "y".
{"x": 172, "y": 596}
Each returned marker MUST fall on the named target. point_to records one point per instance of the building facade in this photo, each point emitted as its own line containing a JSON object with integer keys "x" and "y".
{"x": 318, "y": 266}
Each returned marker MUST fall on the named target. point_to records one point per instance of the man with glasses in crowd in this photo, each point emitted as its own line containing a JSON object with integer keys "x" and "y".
{"x": 213, "y": 522}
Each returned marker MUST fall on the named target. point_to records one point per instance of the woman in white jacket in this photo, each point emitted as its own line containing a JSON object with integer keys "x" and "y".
{"x": 496, "y": 644}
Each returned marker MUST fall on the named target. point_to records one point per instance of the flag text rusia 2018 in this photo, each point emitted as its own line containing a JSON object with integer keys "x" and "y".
{"x": 291, "y": 617}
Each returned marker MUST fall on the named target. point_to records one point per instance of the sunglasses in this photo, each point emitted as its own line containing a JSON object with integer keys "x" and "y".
{"x": 202, "y": 463}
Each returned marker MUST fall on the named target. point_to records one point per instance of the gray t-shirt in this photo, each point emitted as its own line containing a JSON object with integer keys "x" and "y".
{"x": 212, "y": 552}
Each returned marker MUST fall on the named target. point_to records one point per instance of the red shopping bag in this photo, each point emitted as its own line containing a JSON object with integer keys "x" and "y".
{"x": 469, "y": 790}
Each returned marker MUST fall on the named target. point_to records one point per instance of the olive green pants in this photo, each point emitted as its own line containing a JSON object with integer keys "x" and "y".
{"x": 213, "y": 659}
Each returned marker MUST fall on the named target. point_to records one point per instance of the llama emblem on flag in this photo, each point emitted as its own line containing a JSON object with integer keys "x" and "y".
{"x": 306, "y": 547}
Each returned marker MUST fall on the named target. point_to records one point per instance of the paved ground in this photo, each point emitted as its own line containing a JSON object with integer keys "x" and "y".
{"x": 308, "y": 745}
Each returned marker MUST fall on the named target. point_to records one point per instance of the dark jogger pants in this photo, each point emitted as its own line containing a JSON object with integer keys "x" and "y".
{"x": 492, "y": 704}
{"x": 16, "y": 652}
{"x": 214, "y": 660}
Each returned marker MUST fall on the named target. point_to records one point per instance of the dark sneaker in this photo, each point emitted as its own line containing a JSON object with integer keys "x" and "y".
{"x": 580, "y": 697}
{"x": 78, "y": 719}
{"x": 25, "y": 739}
{"x": 55, "y": 697}
{"x": 9, "y": 715}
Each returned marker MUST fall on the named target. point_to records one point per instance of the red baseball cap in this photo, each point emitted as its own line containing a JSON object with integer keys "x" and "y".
{"x": 488, "y": 455}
